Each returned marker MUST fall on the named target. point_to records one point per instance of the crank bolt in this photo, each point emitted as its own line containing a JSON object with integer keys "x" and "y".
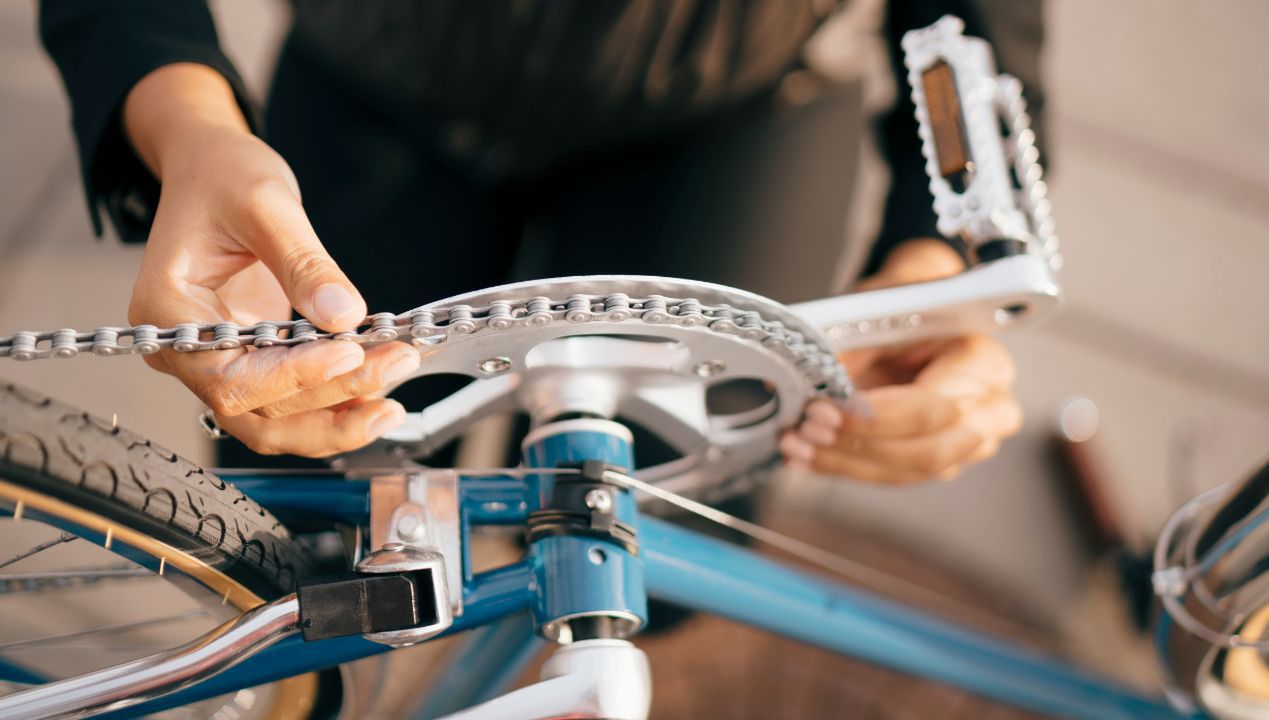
{"x": 599, "y": 501}
{"x": 709, "y": 368}
{"x": 494, "y": 365}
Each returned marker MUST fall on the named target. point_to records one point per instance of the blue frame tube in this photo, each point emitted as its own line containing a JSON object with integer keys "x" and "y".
{"x": 685, "y": 568}
{"x": 483, "y": 666}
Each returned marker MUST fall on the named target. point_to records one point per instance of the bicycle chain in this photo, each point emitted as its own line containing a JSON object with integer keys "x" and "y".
{"x": 431, "y": 326}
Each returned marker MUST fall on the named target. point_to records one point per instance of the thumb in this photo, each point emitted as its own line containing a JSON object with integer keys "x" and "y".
{"x": 286, "y": 243}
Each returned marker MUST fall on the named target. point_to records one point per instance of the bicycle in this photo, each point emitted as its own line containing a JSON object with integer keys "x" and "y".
{"x": 582, "y": 357}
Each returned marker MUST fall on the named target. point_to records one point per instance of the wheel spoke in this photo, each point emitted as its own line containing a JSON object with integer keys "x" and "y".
{"x": 104, "y": 629}
{"x": 86, "y": 573}
{"x": 63, "y": 538}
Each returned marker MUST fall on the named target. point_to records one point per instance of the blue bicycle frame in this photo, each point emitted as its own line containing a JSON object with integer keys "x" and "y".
{"x": 503, "y": 607}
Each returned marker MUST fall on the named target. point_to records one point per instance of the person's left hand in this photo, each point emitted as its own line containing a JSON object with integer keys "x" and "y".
{"x": 921, "y": 411}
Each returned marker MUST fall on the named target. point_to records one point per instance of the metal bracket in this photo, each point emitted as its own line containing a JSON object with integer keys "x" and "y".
{"x": 415, "y": 526}
{"x": 419, "y": 509}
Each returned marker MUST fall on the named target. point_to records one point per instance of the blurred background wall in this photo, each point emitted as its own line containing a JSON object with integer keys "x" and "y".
{"x": 1161, "y": 188}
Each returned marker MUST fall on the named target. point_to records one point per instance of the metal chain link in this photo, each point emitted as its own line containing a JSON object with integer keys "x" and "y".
{"x": 431, "y": 326}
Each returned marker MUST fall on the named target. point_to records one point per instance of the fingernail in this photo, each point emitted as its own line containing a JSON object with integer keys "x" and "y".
{"x": 818, "y": 434}
{"x": 795, "y": 448}
{"x": 333, "y": 303}
{"x": 401, "y": 367}
{"x": 385, "y": 422}
{"x": 345, "y": 364}
{"x": 825, "y": 414}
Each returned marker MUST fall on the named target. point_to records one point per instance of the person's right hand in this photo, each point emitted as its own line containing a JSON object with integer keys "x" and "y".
{"x": 231, "y": 242}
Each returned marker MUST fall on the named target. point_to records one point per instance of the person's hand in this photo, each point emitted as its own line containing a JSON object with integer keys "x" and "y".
{"x": 231, "y": 242}
{"x": 921, "y": 411}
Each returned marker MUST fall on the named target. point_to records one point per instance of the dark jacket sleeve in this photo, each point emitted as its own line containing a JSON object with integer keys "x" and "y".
{"x": 102, "y": 49}
{"x": 909, "y": 210}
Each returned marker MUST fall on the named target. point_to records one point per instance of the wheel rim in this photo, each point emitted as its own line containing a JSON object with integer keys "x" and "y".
{"x": 78, "y": 578}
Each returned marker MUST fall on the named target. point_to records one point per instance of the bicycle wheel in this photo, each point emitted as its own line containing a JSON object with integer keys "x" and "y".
{"x": 113, "y": 548}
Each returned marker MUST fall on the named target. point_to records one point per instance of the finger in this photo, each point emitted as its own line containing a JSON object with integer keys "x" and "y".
{"x": 825, "y": 412}
{"x": 969, "y": 369}
{"x": 280, "y": 234}
{"x": 927, "y": 455}
{"x": 999, "y": 416}
{"x": 899, "y": 411}
{"x": 233, "y": 384}
{"x": 796, "y": 449}
{"x": 316, "y": 433}
{"x": 253, "y": 295}
{"x": 817, "y": 433}
{"x": 859, "y": 468}
{"x": 384, "y": 365}
{"x": 985, "y": 451}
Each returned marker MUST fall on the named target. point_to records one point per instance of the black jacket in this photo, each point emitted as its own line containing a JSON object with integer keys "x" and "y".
{"x": 551, "y": 80}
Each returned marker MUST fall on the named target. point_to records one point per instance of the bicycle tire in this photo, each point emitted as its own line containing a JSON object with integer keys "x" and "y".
{"x": 94, "y": 464}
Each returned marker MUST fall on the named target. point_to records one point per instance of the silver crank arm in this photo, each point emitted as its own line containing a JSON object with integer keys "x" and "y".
{"x": 986, "y": 298}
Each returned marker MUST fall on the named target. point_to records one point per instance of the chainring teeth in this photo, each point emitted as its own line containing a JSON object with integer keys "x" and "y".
{"x": 813, "y": 359}
{"x": 489, "y": 334}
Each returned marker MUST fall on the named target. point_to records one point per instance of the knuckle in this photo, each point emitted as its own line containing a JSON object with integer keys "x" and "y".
{"x": 304, "y": 381}
{"x": 223, "y": 399}
{"x": 257, "y": 199}
{"x": 926, "y": 421}
{"x": 935, "y": 416}
{"x": 931, "y": 462}
{"x": 261, "y": 447}
{"x": 303, "y": 264}
{"x": 265, "y": 440}
{"x": 270, "y": 412}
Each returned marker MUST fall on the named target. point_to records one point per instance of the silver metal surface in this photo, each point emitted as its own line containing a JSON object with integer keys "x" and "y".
{"x": 986, "y": 298}
{"x": 634, "y": 354}
{"x": 207, "y": 422}
{"x": 647, "y": 349}
{"x": 586, "y": 679}
{"x": 1210, "y": 577}
{"x": 396, "y": 557}
{"x": 990, "y": 206}
{"x": 123, "y": 686}
{"x": 415, "y": 525}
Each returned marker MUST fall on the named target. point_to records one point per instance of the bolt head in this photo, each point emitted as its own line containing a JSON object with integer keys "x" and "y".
{"x": 599, "y": 500}
{"x": 494, "y": 365}
{"x": 709, "y": 368}
{"x": 410, "y": 526}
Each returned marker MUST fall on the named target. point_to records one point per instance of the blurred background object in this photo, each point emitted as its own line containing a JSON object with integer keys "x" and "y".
{"x": 1160, "y": 179}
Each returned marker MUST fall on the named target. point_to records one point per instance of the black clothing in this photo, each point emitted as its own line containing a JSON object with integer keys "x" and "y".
{"x": 496, "y": 92}
{"x": 456, "y": 144}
